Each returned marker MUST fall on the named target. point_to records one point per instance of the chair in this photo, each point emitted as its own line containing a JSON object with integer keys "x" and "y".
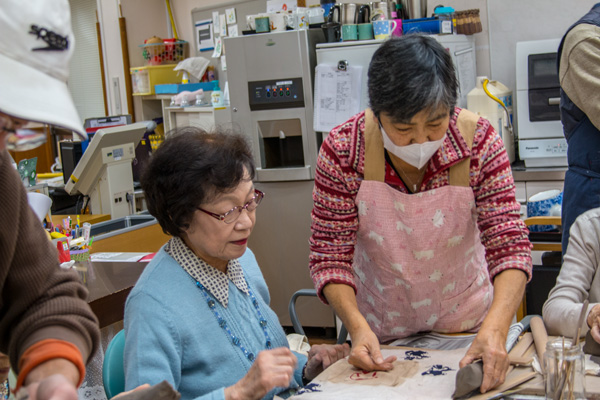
{"x": 113, "y": 373}
{"x": 294, "y": 316}
{"x": 544, "y": 277}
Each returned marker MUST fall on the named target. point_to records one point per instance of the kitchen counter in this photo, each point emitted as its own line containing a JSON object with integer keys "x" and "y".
{"x": 91, "y": 218}
{"x": 522, "y": 174}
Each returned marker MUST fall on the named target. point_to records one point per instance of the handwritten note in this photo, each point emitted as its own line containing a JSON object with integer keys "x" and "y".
{"x": 337, "y": 95}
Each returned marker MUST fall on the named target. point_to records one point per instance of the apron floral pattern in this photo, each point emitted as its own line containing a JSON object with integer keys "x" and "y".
{"x": 419, "y": 264}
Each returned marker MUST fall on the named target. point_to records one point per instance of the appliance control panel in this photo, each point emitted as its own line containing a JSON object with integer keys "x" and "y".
{"x": 543, "y": 148}
{"x": 276, "y": 94}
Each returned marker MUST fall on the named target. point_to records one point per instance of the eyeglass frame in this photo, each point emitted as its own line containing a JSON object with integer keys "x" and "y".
{"x": 221, "y": 217}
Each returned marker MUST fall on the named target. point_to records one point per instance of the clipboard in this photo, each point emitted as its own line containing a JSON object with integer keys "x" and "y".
{"x": 336, "y": 95}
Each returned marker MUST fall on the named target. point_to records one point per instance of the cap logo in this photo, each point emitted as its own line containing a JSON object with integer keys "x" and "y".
{"x": 53, "y": 40}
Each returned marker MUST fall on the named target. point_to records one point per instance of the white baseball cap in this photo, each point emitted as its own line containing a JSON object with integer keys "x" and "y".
{"x": 35, "y": 50}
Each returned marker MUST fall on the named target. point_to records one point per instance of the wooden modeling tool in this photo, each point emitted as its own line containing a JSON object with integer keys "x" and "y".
{"x": 540, "y": 338}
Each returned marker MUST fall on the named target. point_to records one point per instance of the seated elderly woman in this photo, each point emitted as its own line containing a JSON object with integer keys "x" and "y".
{"x": 577, "y": 281}
{"x": 199, "y": 315}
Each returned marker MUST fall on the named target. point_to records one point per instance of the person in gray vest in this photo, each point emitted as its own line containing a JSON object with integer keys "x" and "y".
{"x": 579, "y": 75}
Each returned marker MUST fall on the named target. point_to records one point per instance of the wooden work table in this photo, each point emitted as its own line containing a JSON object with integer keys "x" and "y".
{"x": 109, "y": 284}
{"x": 91, "y": 218}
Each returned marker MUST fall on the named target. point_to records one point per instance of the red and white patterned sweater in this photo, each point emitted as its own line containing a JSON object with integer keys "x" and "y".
{"x": 339, "y": 173}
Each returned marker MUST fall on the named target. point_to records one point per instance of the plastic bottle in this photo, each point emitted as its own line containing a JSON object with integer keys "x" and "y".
{"x": 446, "y": 16}
{"x": 217, "y": 96}
{"x": 481, "y": 103}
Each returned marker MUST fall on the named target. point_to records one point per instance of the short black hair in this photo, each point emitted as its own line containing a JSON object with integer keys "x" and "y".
{"x": 409, "y": 74}
{"x": 191, "y": 168}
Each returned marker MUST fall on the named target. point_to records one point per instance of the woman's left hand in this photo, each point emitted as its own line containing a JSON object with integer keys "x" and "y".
{"x": 490, "y": 346}
{"x": 321, "y": 356}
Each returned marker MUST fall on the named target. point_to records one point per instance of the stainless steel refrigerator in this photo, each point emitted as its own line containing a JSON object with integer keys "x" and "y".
{"x": 270, "y": 79}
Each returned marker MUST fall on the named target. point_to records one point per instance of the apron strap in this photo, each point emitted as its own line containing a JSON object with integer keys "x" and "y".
{"x": 374, "y": 151}
{"x": 466, "y": 122}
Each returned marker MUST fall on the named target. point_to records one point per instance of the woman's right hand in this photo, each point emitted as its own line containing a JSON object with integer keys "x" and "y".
{"x": 271, "y": 368}
{"x": 366, "y": 353}
{"x": 593, "y": 321}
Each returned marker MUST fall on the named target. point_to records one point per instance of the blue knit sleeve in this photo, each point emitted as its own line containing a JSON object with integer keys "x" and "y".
{"x": 153, "y": 346}
{"x": 302, "y": 359}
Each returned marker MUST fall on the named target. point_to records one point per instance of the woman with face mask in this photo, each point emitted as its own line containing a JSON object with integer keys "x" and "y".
{"x": 415, "y": 225}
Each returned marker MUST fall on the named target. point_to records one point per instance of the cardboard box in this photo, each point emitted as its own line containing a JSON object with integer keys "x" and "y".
{"x": 143, "y": 79}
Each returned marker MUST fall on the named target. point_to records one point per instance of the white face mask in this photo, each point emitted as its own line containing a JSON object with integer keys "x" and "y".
{"x": 417, "y": 154}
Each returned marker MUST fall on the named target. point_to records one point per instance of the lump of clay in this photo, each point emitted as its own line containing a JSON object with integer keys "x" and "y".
{"x": 468, "y": 379}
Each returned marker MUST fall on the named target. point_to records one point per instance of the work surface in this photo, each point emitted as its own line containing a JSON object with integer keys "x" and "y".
{"x": 425, "y": 374}
{"x": 109, "y": 284}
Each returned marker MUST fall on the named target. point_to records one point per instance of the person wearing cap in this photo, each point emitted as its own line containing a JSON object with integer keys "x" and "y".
{"x": 46, "y": 326}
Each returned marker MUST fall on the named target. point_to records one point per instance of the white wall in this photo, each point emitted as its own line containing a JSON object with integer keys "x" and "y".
{"x": 504, "y": 23}
{"x": 108, "y": 16}
{"x": 512, "y": 21}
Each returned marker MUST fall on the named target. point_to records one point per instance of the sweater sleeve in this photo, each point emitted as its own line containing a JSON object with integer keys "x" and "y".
{"x": 39, "y": 300}
{"x": 574, "y": 282}
{"x": 503, "y": 233}
{"x": 334, "y": 215}
{"x": 579, "y": 75}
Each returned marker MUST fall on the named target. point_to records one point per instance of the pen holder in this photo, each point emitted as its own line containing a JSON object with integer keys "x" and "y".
{"x": 565, "y": 370}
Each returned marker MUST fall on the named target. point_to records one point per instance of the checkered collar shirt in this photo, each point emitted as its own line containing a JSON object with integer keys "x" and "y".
{"x": 212, "y": 279}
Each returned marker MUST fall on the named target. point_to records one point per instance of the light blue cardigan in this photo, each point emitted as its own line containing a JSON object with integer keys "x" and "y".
{"x": 171, "y": 334}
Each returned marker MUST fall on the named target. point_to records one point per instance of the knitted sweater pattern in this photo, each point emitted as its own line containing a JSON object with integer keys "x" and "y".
{"x": 171, "y": 333}
{"x": 339, "y": 173}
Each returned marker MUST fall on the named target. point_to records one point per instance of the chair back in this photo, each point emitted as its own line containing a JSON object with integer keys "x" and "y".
{"x": 113, "y": 372}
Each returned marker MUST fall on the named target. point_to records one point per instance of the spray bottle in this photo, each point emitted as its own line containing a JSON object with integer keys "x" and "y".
{"x": 217, "y": 96}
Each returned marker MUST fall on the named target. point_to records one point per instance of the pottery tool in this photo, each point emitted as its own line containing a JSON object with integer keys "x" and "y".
{"x": 540, "y": 338}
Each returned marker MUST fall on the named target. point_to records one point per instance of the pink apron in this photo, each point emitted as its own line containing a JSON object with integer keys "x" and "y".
{"x": 419, "y": 264}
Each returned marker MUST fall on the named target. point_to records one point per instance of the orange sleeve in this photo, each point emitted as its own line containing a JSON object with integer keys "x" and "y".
{"x": 46, "y": 350}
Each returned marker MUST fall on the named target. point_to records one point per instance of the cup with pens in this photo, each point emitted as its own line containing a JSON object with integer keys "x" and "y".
{"x": 73, "y": 242}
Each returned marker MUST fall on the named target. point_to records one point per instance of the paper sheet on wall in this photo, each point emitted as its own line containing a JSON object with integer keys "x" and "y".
{"x": 204, "y": 35}
{"x": 337, "y": 95}
{"x": 464, "y": 59}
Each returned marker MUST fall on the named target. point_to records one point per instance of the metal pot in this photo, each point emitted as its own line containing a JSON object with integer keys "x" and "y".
{"x": 347, "y": 13}
{"x": 415, "y": 8}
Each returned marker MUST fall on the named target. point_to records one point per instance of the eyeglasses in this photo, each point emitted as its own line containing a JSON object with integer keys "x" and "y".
{"x": 232, "y": 215}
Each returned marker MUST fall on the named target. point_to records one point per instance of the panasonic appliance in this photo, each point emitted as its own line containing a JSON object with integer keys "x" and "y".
{"x": 540, "y": 131}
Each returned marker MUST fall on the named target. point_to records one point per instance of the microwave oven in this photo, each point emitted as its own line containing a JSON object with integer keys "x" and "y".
{"x": 540, "y": 131}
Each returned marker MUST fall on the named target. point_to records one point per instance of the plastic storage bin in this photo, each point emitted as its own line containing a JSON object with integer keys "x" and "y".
{"x": 175, "y": 88}
{"x": 143, "y": 79}
{"x": 422, "y": 25}
{"x": 164, "y": 53}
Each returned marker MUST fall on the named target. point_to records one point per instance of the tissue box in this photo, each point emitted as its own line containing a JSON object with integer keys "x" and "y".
{"x": 175, "y": 88}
